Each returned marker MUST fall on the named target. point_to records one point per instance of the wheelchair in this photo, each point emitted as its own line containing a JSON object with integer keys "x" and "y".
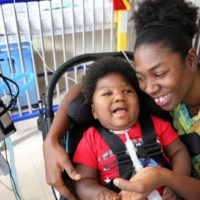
{"x": 80, "y": 114}
{"x": 47, "y": 108}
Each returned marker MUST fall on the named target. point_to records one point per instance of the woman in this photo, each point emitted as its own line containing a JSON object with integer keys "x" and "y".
{"x": 167, "y": 70}
{"x": 166, "y": 64}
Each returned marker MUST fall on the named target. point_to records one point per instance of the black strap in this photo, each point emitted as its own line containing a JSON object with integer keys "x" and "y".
{"x": 151, "y": 148}
{"x": 125, "y": 165}
{"x": 192, "y": 141}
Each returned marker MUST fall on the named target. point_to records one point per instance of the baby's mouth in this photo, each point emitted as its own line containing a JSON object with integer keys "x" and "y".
{"x": 119, "y": 110}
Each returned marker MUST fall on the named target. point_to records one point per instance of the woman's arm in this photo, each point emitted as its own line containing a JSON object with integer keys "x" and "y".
{"x": 150, "y": 178}
{"x": 180, "y": 162}
{"x": 88, "y": 188}
{"x": 55, "y": 157}
{"x": 179, "y": 157}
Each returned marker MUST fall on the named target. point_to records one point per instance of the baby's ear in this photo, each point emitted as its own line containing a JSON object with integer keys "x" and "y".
{"x": 93, "y": 112}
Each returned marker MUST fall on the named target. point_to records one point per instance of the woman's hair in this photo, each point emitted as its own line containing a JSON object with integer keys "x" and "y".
{"x": 169, "y": 23}
{"x": 103, "y": 67}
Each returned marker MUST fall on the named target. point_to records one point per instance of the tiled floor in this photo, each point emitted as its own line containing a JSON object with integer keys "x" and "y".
{"x": 29, "y": 162}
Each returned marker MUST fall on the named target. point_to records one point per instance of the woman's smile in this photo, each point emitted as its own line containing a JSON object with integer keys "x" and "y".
{"x": 163, "y": 100}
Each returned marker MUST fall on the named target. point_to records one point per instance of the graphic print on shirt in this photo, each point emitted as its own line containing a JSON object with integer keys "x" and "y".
{"x": 108, "y": 164}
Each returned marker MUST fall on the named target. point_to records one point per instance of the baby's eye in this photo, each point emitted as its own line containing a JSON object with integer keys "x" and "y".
{"x": 125, "y": 91}
{"x": 107, "y": 93}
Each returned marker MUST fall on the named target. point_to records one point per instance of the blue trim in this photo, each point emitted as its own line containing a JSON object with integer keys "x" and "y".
{"x": 16, "y": 1}
{"x": 27, "y": 115}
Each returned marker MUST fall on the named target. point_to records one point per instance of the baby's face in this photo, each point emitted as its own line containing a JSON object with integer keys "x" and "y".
{"x": 115, "y": 102}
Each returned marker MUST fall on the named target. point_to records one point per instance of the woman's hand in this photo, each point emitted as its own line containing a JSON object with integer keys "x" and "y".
{"x": 56, "y": 161}
{"x": 143, "y": 182}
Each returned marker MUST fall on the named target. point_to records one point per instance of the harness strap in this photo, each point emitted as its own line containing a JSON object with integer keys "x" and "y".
{"x": 151, "y": 147}
{"x": 192, "y": 142}
{"x": 125, "y": 164}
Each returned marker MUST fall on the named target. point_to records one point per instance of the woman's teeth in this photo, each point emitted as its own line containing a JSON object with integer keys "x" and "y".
{"x": 161, "y": 99}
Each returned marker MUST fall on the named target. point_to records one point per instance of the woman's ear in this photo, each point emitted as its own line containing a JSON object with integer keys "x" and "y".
{"x": 93, "y": 112}
{"x": 192, "y": 59}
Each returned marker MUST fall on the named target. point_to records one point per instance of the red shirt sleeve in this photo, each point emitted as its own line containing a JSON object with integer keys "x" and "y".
{"x": 164, "y": 131}
{"x": 85, "y": 151}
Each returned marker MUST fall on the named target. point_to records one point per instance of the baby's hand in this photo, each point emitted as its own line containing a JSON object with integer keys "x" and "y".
{"x": 169, "y": 194}
{"x": 127, "y": 195}
{"x": 108, "y": 195}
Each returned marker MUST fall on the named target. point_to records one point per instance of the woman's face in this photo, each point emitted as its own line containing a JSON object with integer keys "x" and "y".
{"x": 163, "y": 75}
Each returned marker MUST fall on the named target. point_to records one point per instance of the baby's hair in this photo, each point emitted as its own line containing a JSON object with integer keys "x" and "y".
{"x": 103, "y": 67}
{"x": 170, "y": 23}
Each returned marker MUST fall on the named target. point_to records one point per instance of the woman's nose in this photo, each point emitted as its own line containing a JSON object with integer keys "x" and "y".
{"x": 151, "y": 87}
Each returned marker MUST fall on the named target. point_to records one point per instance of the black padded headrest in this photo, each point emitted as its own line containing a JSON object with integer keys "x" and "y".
{"x": 79, "y": 111}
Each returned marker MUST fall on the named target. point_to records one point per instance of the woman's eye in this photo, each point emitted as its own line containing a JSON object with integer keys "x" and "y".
{"x": 160, "y": 74}
{"x": 140, "y": 78}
